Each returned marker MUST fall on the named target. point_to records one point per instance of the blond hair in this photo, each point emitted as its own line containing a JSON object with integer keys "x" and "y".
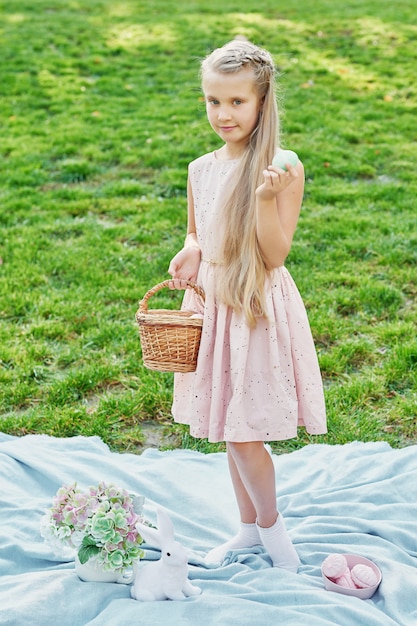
{"x": 242, "y": 272}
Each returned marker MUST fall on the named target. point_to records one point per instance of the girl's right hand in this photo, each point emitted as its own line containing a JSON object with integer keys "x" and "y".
{"x": 184, "y": 266}
{"x": 276, "y": 181}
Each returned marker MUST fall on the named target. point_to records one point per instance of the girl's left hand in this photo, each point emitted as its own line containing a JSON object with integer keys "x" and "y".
{"x": 184, "y": 266}
{"x": 275, "y": 181}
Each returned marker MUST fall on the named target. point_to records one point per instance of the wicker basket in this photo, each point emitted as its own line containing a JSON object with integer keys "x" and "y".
{"x": 170, "y": 339}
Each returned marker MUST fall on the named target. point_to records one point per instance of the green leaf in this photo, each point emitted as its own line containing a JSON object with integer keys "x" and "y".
{"x": 88, "y": 541}
{"x": 86, "y": 552}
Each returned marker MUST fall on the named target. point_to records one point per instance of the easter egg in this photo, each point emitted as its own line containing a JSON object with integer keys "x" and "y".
{"x": 285, "y": 156}
{"x": 334, "y": 565}
{"x": 363, "y": 576}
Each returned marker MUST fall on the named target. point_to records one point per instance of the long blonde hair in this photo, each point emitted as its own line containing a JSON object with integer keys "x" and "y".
{"x": 242, "y": 272}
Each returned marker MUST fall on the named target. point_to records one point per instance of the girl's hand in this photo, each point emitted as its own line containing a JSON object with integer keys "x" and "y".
{"x": 184, "y": 266}
{"x": 275, "y": 181}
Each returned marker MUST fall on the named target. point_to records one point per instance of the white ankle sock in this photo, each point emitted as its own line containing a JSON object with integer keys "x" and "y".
{"x": 247, "y": 537}
{"x": 277, "y": 543}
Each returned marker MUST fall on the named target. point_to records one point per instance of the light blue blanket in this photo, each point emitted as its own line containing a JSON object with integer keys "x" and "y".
{"x": 357, "y": 498}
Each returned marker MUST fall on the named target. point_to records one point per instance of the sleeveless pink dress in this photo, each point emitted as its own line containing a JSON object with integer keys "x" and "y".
{"x": 251, "y": 384}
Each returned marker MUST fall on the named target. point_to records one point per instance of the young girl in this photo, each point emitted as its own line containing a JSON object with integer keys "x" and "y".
{"x": 257, "y": 377}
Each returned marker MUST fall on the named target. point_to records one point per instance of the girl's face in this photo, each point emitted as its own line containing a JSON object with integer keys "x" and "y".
{"x": 233, "y": 105}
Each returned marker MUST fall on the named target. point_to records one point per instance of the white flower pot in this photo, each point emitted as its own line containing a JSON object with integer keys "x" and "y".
{"x": 93, "y": 572}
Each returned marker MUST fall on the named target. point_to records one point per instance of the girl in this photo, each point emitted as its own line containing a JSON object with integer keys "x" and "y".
{"x": 257, "y": 376}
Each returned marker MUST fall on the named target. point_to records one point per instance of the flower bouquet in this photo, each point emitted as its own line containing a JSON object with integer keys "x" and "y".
{"x": 97, "y": 524}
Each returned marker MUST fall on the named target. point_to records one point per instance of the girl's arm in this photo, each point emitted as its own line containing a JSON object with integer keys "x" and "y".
{"x": 185, "y": 264}
{"x": 278, "y": 205}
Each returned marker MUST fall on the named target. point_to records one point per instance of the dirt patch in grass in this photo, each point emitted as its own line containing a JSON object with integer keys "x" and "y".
{"x": 157, "y": 435}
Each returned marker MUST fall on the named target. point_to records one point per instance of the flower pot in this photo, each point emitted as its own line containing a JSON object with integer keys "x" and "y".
{"x": 92, "y": 571}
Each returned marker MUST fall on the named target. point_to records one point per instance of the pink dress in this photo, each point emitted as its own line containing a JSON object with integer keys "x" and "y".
{"x": 251, "y": 384}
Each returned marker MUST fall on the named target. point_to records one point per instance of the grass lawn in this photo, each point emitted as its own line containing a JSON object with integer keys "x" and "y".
{"x": 100, "y": 113}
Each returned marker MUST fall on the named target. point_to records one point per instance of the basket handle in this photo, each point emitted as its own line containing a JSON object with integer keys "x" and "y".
{"x": 143, "y": 304}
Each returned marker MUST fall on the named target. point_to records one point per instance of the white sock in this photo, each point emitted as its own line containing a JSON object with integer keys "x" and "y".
{"x": 277, "y": 543}
{"x": 247, "y": 537}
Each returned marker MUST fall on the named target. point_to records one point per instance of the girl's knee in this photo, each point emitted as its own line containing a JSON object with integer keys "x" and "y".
{"x": 245, "y": 450}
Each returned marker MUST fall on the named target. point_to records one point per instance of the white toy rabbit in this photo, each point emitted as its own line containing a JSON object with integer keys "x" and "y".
{"x": 167, "y": 578}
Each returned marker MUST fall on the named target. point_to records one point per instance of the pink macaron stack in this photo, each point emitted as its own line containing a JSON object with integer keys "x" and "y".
{"x": 351, "y": 574}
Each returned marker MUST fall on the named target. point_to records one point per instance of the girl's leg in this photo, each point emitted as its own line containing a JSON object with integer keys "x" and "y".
{"x": 246, "y": 507}
{"x": 248, "y": 535}
{"x": 255, "y": 471}
{"x": 256, "y": 474}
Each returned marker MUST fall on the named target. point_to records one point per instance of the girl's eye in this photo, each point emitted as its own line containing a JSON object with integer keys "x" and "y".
{"x": 212, "y": 101}
{"x": 237, "y": 102}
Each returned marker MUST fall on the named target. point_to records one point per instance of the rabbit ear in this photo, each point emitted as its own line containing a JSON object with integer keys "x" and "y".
{"x": 165, "y": 527}
{"x": 149, "y": 535}
{"x": 161, "y": 535}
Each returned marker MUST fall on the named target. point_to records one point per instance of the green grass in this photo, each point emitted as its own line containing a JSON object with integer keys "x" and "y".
{"x": 100, "y": 112}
